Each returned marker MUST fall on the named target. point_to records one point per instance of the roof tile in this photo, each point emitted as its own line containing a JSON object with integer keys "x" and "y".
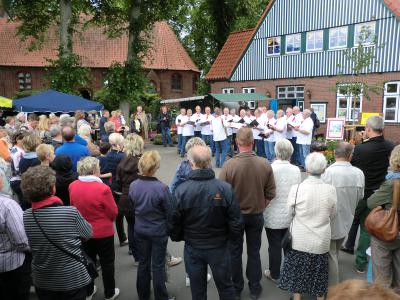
{"x": 394, "y": 6}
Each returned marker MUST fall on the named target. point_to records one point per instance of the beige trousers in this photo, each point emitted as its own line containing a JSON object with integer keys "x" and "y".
{"x": 333, "y": 257}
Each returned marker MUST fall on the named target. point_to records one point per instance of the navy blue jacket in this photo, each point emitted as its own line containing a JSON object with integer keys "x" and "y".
{"x": 113, "y": 158}
{"x": 205, "y": 212}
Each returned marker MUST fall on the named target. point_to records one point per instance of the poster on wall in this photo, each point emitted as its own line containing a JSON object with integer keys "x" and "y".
{"x": 335, "y": 129}
{"x": 320, "y": 111}
{"x": 366, "y": 115}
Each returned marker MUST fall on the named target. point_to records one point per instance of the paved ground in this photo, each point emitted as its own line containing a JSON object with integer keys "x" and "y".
{"x": 126, "y": 271}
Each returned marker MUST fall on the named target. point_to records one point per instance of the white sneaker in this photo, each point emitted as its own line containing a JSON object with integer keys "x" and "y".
{"x": 174, "y": 261}
{"x": 208, "y": 277}
{"x": 116, "y": 294}
{"x": 94, "y": 292}
{"x": 187, "y": 281}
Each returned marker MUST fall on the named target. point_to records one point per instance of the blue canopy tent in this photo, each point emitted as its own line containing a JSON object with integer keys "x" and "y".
{"x": 53, "y": 101}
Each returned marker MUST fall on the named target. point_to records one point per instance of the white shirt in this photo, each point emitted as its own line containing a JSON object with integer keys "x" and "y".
{"x": 206, "y": 129}
{"x": 292, "y": 121}
{"x": 281, "y": 125}
{"x": 187, "y": 130}
{"x": 305, "y": 139}
{"x": 218, "y": 129}
{"x": 271, "y": 137}
{"x": 179, "y": 118}
{"x": 297, "y": 122}
{"x": 226, "y": 120}
{"x": 197, "y": 119}
{"x": 236, "y": 119}
{"x": 261, "y": 125}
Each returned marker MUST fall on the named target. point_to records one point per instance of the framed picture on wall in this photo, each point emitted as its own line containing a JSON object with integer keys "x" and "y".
{"x": 320, "y": 111}
{"x": 335, "y": 128}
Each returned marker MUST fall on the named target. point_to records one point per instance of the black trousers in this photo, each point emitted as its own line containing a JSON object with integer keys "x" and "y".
{"x": 104, "y": 248}
{"x": 15, "y": 284}
{"x": 275, "y": 237}
{"x": 78, "y": 294}
{"x": 119, "y": 222}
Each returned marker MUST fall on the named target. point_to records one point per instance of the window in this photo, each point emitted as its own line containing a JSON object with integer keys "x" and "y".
{"x": 290, "y": 92}
{"x": 365, "y": 33}
{"x": 249, "y": 90}
{"x": 293, "y": 43}
{"x": 24, "y": 81}
{"x": 176, "y": 81}
{"x": 251, "y": 104}
{"x": 315, "y": 40}
{"x": 338, "y": 37}
{"x": 274, "y": 45}
{"x": 228, "y": 91}
{"x": 346, "y": 108}
{"x": 195, "y": 83}
{"x": 391, "y": 102}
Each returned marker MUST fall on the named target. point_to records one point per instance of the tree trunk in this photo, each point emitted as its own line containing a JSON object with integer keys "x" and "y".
{"x": 65, "y": 28}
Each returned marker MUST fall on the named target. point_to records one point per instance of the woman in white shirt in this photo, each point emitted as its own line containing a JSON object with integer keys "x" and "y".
{"x": 187, "y": 130}
{"x": 305, "y": 269}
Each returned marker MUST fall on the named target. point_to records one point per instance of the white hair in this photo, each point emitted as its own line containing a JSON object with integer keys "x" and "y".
{"x": 376, "y": 123}
{"x": 88, "y": 166}
{"x": 283, "y": 149}
{"x": 84, "y": 131}
{"x": 316, "y": 163}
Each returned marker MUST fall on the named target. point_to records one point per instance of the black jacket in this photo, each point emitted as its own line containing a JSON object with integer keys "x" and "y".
{"x": 164, "y": 123}
{"x": 205, "y": 212}
{"x": 127, "y": 172}
{"x": 62, "y": 164}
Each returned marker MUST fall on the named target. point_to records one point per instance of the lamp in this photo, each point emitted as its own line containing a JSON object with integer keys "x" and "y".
{"x": 268, "y": 94}
{"x": 308, "y": 93}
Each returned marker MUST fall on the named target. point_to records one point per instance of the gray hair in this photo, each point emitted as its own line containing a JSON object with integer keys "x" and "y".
{"x": 196, "y": 141}
{"x": 344, "y": 150}
{"x": 84, "y": 131}
{"x": 307, "y": 112}
{"x": 200, "y": 156}
{"x": 55, "y": 130}
{"x": 66, "y": 120}
{"x": 88, "y": 166}
{"x": 316, "y": 163}
{"x": 283, "y": 149}
{"x": 376, "y": 124}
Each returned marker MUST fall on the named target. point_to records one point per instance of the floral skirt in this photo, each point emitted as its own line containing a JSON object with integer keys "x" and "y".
{"x": 305, "y": 273}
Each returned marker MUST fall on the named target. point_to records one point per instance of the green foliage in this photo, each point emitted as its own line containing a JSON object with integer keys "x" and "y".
{"x": 23, "y": 94}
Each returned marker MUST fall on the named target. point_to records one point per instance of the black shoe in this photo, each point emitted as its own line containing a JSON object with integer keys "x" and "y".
{"x": 346, "y": 250}
{"x": 255, "y": 294}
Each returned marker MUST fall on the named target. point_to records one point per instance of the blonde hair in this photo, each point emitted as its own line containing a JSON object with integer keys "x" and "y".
{"x": 43, "y": 150}
{"x": 116, "y": 140}
{"x": 149, "y": 163}
{"x": 134, "y": 145}
{"x": 30, "y": 142}
{"x": 43, "y": 123}
{"x": 244, "y": 137}
{"x": 395, "y": 159}
{"x": 79, "y": 115}
{"x": 88, "y": 166}
{"x": 109, "y": 126}
{"x": 360, "y": 290}
{"x": 84, "y": 131}
{"x": 195, "y": 141}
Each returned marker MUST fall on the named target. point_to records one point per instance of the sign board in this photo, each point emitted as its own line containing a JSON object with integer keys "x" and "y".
{"x": 335, "y": 128}
{"x": 366, "y": 115}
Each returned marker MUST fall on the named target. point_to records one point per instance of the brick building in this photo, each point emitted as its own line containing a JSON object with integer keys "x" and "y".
{"x": 168, "y": 66}
{"x": 293, "y": 60}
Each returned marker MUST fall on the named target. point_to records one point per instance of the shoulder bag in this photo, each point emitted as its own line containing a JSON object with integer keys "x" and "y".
{"x": 384, "y": 224}
{"x": 286, "y": 243}
{"x": 84, "y": 259}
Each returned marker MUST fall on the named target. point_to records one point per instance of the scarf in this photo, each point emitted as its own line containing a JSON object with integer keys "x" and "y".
{"x": 392, "y": 175}
{"x": 89, "y": 178}
{"x": 47, "y": 202}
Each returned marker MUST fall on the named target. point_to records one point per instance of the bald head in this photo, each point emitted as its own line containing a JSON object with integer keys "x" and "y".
{"x": 199, "y": 157}
{"x": 68, "y": 133}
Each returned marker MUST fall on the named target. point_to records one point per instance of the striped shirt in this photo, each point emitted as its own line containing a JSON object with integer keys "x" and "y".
{"x": 13, "y": 240}
{"x": 52, "y": 269}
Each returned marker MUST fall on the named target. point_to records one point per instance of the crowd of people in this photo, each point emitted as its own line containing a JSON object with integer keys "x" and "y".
{"x": 64, "y": 194}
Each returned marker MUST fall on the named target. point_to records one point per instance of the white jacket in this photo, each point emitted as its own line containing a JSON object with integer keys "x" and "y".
{"x": 276, "y": 215}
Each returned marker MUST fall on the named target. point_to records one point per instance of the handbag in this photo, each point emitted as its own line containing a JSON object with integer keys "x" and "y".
{"x": 384, "y": 224}
{"x": 286, "y": 243}
{"x": 84, "y": 259}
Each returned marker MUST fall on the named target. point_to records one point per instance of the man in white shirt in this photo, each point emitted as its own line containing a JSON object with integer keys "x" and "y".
{"x": 178, "y": 122}
{"x": 196, "y": 118}
{"x": 269, "y": 142}
{"x": 206, "y": 132}
{"x": 280, "y": 127}
{"x": 220, "y": 138}
{"x": 257, "y": 130}
{"x": 304, "y": 136}
{"x": 235, "y": 119}
{"x": 349, "y": 182}
{"x": 228, "y": 119}
{"x": 293, "y": 121}
{"x": 187, "y": 130}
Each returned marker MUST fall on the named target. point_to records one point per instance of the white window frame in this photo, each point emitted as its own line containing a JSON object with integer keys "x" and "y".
{"x": 249, "y": 90}
{"x": 396, "y": 95}
{"x": 308, "y": 36}
{"x": 228, "y": 90}
{"x": 251, "y": 104}
{"x": 336, "y": 30}
{"x": 292, "y": 37}
{"x": 357, "y": 30}
{"x": 297, "y": 91}
{"x": 349, "y": 105}
{"x": 278, "y": 39}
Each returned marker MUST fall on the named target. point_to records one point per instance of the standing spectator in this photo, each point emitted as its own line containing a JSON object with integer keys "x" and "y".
{"x": 150, "y": 198}
{"x": 205, "y": 215}
{"x": 29, "y": 159}
{"x": 109, "y": 128}
{"x": 187, "y": 130}
{"x": 305, "y": 269}
{"x": 10, "y": 126}
{"x": 15, "y": 259}
{"x": 45, "y": 154}
{"x": 4, "y": 147}
{"x": 136, "y": 125}
{"x": 16, "y": 152}
{"x": 372, "y": 157}
{"x": 95, "y": 202}
{"x": 67, "y": 121}
{"x": 164, "y": 120}
{"x": 103, "y": 120}
{"x": 56, "y": 137}
{"x": 33, "y": 122}
{"x": 206, "y": 132}
{"x": 84, "y": 131}
{"x": 349, "y": 184}
{"x": 141, "y": 114}
{"x": 105, "y": 175}
{"x": 80, "y": 119}
{"x": 43, "y": 128}
{"x": 276, "y": 215}
{"x": 196, "y": 118}
{"x": 20, "y": 120}
{"x": 385, "y": 263}
{"x": 71, "y": 148}
{"x": 55, "y": 274}
{"x": 220, "y": 138}
{"x": 304, "y": 137}
{"x": 62, "y": 164}
{"x": 252, "y": 179}
{"x": 179, "y": 128}
{"x": 116, "y": 119}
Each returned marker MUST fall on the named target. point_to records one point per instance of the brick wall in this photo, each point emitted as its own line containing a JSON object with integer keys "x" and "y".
{"x": 321, "y": 91}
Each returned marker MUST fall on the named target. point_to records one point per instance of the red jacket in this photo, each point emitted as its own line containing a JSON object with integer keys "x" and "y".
{"x": 95, "y": 202}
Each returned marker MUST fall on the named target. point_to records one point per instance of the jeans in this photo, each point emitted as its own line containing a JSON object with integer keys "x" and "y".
{"x": 184, "y": 141}
{"x": 304, "y": 150}
{"x": 269, "y": 150}
{"x": 131, "y": 237}
{"x": 104, "y": 249}
{"x": 235, "y": 148}
{"x": 229, "y": 144}
{"x": 275, "y": 237}
{"x": 166, "y": 135}
{"x": 221, "y": 151}
{"x": 197, "y": 134}
{"x": 15, "y": 284}
{"x": 253, "y": 227}
{"x": 260, "y": 148}
{"x": 295, "y": 156}
{"x": 78, "y": 294}
{"x": 180, "y": 141}
{"x": 196, "y": 261}
{"x": 152, "y": 251}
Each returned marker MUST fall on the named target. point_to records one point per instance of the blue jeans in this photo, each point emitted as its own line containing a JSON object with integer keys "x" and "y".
{"x": 152, "y": 251}
{"x": 197, "y": 134}
{"x": 260, "y": 148}
{"x": 131, "y": 237}
{"x": 166, "y": 135}
{"x": 184, "y": 141}
{"x": 196, "y": 261}
{"x": 304, "y": 150}
{"x": 296, "y": 151}
{"x": 269, "y": 150}
{"x": 180, "y": 141}
{"x": 221, "y": 151}
{"x": 253, "y": 227}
